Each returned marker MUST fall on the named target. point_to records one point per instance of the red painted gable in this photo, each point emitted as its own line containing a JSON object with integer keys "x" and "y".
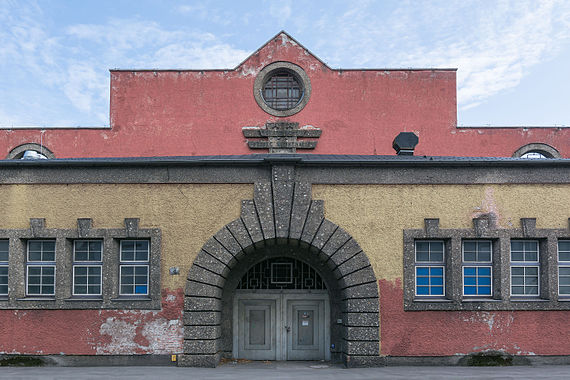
{"x": 193, "y": 112}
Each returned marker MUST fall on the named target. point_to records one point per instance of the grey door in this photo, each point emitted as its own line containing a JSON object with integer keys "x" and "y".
{"x": 281, "y": 326}
{"x": 257, "y": 329}
{"x": 305, "y": 330}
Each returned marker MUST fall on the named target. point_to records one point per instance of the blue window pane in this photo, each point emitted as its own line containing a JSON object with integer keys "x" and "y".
{"x": 140, "y": 289}
{"x": 469, "y": 281}
{"x": 470, "y": 291}
{"x": 485, "y": 271}
{"x": 437, "y": 290}
{"x": 485, "y": 281}
{"x": 469, "y": 271}
{"x": 422, "y": 281}
{"x": 485, "y": 290}
{"x": 436, "y": 271}
{"x": 422, "y": 271}
{"x": 423, "y": 290}
{"x": 437, "y": 281}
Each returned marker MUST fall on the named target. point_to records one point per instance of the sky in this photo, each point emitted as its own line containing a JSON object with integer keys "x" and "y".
{"x": 513, "y": 57}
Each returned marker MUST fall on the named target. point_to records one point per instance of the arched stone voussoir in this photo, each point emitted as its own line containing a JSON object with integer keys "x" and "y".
{"x": 346, "y": 252}
{"x": 228, "y": 241}
{"x": 313, "y": 222}
{"x": 299, "y": 209}
{"x": 251, "y": 221}
{"x": 200, "y": 289}
{"x": 353, "y": 264}
{"x": 369, "y": 290}
{"x": 323, "y": 234}
{"x": 199, "y": 274}
{"x": 263, "y": 200}
{"x": 192, "y": 303}
{"x": 361, "y": 276}
{"x": 214, "y": 248}
{"x": 205, "y": 260}
{"x": 338, "y": 239}
{"x": 238, "y": 230}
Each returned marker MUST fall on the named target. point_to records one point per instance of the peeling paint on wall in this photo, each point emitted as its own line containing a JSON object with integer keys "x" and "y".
{"x": 101, "y": 332}
{"x": 442, "y": 333}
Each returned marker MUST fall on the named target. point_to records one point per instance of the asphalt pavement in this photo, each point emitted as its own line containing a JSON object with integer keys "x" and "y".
{"x": 286, "y": 370}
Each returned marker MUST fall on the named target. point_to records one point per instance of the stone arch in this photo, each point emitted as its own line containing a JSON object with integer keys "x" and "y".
{"x": 282, "y": 212}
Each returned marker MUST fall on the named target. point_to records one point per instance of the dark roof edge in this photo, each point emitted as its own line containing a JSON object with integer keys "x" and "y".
{"x": 293, "y": 159}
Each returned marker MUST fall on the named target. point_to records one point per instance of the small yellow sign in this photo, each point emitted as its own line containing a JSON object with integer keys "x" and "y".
{"x": 173, "y": 358}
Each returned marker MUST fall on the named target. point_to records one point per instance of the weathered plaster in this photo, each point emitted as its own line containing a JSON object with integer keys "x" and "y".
{"x": 376, "y": 215}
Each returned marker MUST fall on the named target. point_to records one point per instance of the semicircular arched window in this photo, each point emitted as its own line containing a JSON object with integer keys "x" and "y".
{"x": 30, "y": 151}
{"x": 536, "y": 151}
{"x": 282, "y": 273}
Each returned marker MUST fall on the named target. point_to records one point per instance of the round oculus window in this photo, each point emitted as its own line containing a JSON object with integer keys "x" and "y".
{"x": 282, "y": 89}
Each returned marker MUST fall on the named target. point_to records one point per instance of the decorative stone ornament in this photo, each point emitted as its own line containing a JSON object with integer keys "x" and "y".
{"x": 282, "y": 137}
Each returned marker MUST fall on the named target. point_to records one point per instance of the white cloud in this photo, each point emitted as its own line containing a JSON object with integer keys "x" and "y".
{"x": 493, "y": 44}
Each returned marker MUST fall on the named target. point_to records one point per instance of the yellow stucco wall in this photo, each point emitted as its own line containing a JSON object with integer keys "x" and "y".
{"x": 375, "y": 215}
{"x": 188, "y": 215}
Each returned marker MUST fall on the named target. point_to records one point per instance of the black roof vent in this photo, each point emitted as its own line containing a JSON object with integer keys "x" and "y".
{"x": 405, "y": 143}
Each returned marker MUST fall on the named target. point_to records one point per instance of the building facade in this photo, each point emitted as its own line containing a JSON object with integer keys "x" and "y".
{"x": 262, "y": 213}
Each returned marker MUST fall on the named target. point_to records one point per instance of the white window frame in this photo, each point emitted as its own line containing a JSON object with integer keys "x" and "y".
{"x": 87, "y": 264}
{"x": 429, "y": 265}
{"x": 41, "y": 264}
{"x": 134, "y": 264}
{"x": 525, "y": 264}
{"x": 561, "y": 264}
{"x": 476, "y": 264}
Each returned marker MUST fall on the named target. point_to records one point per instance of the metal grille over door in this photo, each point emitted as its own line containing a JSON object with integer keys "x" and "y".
{"x": 281, "y": 273}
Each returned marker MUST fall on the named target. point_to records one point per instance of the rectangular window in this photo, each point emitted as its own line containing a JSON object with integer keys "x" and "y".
{"x": 40, "y": 268}
{"x": 87, "y": 267}
{"x": 564, "y": 267}
{"x": 477, "y": 268}
{"x": 133, "y": 271}
{"x": 3, "y": 267}
{"x": 429, "y": 270}
{"x": 525, "y": 265}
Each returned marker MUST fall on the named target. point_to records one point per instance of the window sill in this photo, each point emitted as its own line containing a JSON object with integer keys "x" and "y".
{"x": 52, "y": 299}
{"x": 442, "y": 300}
{"x": 82, "y": 299}
{"x": 529, "y": 300}
{"x": 134, "y": 298}
{"x": 480, "y": 300}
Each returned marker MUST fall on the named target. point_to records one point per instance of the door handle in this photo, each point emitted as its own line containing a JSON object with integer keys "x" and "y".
{"x": 287, "y": 328}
